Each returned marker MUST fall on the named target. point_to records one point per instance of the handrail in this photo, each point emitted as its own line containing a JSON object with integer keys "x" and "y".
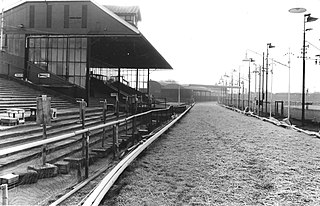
{"x": 20, "y": 148}
{"x": 101, "y": 190}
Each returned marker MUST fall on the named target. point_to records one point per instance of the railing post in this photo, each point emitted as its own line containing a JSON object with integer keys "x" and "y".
{"x": 5, "y": 198}
{"x": 105, "y": 108}
{"x": 82, "y": 110}
{"x": 134, "y": 126}
{"x": 87, "y": 155}
{"x": 116, "y": 141}
{"x": 44, "y": 147}
{"x": 117, "y": 105}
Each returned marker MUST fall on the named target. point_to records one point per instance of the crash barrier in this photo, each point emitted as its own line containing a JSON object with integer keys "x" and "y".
{"x": 149, "y": 120}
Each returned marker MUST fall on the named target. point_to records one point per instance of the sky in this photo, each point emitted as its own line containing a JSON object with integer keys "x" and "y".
{"x": 205, "y": 39}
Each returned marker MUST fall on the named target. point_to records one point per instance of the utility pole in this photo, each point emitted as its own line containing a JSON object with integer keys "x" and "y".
{"x": 2, "y": 25}
{"x": 267, "y": 66}
{"x": 262, "y": 90}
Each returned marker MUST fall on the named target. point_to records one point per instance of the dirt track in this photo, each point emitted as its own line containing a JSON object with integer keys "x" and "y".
{"x": 215, "y": 156}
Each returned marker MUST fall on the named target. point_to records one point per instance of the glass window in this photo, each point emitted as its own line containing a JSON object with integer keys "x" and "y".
{"x": 60, "y": 68}
{"x": 60, "y": 55}
{"x": 37, "y": 43}
{"x": 60, "y": 42}
{"x": 78, "y": 55}
{"x": 54, "y": 67}
{"x": 77, "y": 80}
{"x": 71, "y": 69}
{"x": 71, "y": 55}
{"x": 43, "y": 43}
{"x": 71, "y": 80}
{"x": 77, "y": 69}
{"x": 78, "y": 43}
{"x": 72, "y": 42}
{"x": 37, "y": 54}
{"x": 31, "y": 55}
{"x": 31, "y": 43}
{"x": 54, "y": 54}
{"x": 84, "y": 55}
{"x": 83, "y": 69}
{"x": 84, "y": 43}
{"x": 55, "y": 42}
{"x": 43, "y": 54}
{"x": 49, "y": 58}
{"x": 83, "y": 82}
{"x": 50, "y": 43}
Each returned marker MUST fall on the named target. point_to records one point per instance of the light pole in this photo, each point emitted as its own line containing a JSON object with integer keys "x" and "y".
{"x": 242, "y": 95}
{"x": 226, "y": 89}
{"x": 267, "y": 66}
{"x": 255, "y": 86}
{"x": 239, "y": 82}
{"x": 289, "y": 63}
{"x": 306, "y": 18}
{"x": 221, "y": 91}
{"x": 271, "y": 89}
{"x": 259, "y": 103}
{"x": 249, "y": 60}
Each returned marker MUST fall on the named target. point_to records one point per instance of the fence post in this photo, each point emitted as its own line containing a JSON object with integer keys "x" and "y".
{"x": 5, "y": 198}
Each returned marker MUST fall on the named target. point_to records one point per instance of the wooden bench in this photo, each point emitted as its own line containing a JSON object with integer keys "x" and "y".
{"x": 8, "y": 121}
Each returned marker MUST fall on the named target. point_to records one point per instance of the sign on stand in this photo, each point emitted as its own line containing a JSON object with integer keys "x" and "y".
{"x": 44, "y": 119}
{"x": 43, "y": 110}
{"x": 85, "y": 137}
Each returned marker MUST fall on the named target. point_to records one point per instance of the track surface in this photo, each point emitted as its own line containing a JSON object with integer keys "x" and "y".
{"x": 215, "y": 156}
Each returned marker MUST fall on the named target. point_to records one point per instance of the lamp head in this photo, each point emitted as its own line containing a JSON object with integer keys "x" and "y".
{"x": 270, "y": 45}
{"x": 297, "y": 10}
{"x": 248, "y": 60}
{"x": 310, "y": 19}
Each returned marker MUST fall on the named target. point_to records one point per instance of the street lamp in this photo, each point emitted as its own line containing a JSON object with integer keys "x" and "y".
{"x": 242, "y": 82}
{"x": 255, "y": 86}
{"x": 268, "y": 46}
{"x": 306, "y": 18}
{"x": 249, "y": 60}
{"x": 226, "y": 89}
{"x": 289, "y": 63}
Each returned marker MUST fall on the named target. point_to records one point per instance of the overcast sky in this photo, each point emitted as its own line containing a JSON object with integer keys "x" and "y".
{"x": 204, "y": 39}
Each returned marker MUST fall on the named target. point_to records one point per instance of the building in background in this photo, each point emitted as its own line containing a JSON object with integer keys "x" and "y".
{"x": 78, "y": 48}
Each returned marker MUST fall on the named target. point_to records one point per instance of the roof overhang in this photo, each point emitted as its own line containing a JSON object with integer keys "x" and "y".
{"x": 125, "y": 51}
{"x": 213, "y": 86}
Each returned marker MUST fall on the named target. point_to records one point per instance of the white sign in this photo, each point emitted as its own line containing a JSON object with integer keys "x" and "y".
{"x": 43, "y": 75}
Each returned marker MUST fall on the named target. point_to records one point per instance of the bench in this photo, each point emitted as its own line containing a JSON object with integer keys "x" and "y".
{"x": 8, "y": 121}
{"x": 33, "y": 113}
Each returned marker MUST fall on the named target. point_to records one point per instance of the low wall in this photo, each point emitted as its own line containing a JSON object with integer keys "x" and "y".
{"x": 310, "y": 114}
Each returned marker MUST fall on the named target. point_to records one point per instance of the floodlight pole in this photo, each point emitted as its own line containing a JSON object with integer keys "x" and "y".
{"x": 306, "y": 18}
{"x": 267, "y": 66}
{"x": 249, "y": 60}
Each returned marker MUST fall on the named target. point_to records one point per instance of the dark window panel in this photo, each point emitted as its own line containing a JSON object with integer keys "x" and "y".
{"x": 66, "y": 16}
{"x": 84, "y": 16}
{"x": 31, "y": 16}
{"x": 49, "y": 16}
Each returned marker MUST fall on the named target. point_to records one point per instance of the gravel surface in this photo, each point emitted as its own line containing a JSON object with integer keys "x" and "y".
{"x": 215, "y": 156}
